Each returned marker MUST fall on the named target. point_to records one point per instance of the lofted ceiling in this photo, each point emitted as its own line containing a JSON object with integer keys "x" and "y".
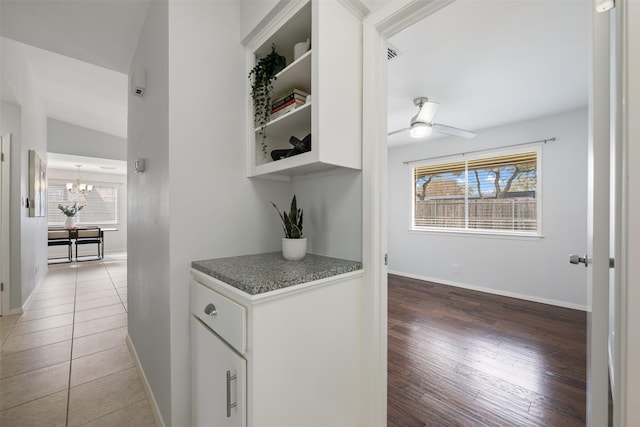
{"x": 76, "y": 92}
{"x": 79, "y": 53}
{"x": 489, "y": 63}
{"x": 101, "y": 32}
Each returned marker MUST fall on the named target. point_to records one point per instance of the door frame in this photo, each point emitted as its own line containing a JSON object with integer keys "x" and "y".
{"x": 630, "y": 352}
{"x": 5, "y": 229}
{"x": 377, "y": 28}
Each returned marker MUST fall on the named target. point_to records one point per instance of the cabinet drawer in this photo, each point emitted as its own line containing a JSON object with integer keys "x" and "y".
{"x": 223, "y": 316}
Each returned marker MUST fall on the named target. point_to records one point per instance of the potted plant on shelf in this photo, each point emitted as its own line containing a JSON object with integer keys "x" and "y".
{"x": 294, "y": 245}
{"x": 70, "y": 212}
{"x": 263, "y": 74}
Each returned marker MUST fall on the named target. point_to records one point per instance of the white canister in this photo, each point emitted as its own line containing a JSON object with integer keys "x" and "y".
{"x": 300, "y": 49}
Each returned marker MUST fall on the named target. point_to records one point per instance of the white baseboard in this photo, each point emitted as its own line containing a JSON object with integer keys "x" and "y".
{"x": 27, "y": 303}
{"x": 145, "y": 383}
{"x": 494, "y": 291}
{"x": 115, "y": 251}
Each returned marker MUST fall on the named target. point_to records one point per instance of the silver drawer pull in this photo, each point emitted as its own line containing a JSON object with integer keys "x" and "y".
{"x": 229, "y": 404}
{"x": 210, "y": 310}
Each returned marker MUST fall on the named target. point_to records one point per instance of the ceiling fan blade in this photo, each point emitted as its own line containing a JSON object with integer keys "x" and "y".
{"x": 427, "y": 112}
{"x": 397, "y": 131}
{"x": 448, "y": 130}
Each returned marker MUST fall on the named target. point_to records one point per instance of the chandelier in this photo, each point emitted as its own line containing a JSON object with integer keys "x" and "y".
{"x": 80, "y": 188}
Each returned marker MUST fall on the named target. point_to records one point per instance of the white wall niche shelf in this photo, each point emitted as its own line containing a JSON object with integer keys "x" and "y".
{"x": 286, "y": 124}
{"x": 295, "y": 75}
{"x": 333, "y": 116}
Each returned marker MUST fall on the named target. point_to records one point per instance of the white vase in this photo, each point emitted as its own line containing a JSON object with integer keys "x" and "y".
{"x": 294, "y": 249}
{"x": 70, "y": 222}
{"x": 300, "y": 49}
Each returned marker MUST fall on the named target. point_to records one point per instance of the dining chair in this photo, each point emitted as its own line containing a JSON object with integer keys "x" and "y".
{"x": 90, "y": 236}
{"x": 60, "y": 237}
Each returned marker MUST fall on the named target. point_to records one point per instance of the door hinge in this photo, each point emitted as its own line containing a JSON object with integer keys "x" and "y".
{"x": 1, "y": 287}
{"x": 2, "y": 157}
{"x": 386, "y": 259}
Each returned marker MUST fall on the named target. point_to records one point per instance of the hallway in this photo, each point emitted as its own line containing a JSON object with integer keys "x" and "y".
{"x": 65, "y": 361}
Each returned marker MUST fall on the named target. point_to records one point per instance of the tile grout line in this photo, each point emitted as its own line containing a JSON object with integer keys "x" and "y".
{"x": 73, "y": 325}
{"x": 75, "y": 293}
{"x": 75, "y": 287}
{"x": 33, "y": 370}
{"x": 13, "y": 325}
{"x": 126, "y": 307}
{"x": 116, "y": 410}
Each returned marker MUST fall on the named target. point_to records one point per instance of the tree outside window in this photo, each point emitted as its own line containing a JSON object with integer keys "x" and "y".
{"x": 489, "y": 193}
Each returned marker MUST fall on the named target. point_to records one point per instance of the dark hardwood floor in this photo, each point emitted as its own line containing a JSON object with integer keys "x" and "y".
{"x": 465, "y": 358}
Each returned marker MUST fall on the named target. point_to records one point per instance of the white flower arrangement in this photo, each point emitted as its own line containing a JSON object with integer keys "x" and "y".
{"x": 70, "y": 211}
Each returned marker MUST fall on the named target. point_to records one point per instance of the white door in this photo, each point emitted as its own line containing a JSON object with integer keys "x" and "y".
{"x": 217, "y": 381}
{"x": 596, "y": 258}
{"x": 4, "y": 222}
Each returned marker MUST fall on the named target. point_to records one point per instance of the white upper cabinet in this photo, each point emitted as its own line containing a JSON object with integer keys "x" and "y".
{"x": 331, "y": 72}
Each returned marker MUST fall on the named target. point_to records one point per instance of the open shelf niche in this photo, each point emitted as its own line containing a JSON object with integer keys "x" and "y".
{"x": 332, "y": 114}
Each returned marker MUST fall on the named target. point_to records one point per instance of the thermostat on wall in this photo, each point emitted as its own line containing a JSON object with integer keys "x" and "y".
{"x": 139, "y": 165}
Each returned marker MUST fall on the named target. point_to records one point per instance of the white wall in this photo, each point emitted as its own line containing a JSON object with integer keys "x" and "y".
{"x": 115, "y": 241}
{"x": 252, "y": 12}
{"x": 148, "y": 210}
{"x": 332, "y": 206}
{"x": 536, "y": 269}
{"x": 28, "y": 241}
{"x": 67, "y": 138}
{"x": 193, "y": 201}
{"x": 215, "y": 210}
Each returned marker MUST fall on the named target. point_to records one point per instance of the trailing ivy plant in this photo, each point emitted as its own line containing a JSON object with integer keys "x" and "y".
{"x": 263, "y": 74}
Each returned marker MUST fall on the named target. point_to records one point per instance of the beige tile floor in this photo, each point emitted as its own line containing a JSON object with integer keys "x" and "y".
{"x": 64, "y": 361}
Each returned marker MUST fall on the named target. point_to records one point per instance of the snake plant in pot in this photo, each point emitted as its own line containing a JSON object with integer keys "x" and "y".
{"x": 294, "y": 245}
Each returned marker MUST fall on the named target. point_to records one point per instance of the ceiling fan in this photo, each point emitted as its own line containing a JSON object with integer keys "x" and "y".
{"x": 422, "y": 123}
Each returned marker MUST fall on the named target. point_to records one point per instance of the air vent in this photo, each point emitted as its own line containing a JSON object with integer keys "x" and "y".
{"x": 392, "y": 52}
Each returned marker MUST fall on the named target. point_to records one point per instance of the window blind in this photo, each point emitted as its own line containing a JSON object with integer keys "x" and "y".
{"x": 100, "y": 204}
{"x": 488, "y": 193}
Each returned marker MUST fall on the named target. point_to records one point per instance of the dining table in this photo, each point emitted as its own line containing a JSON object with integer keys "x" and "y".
{"x": 73, "y": 233}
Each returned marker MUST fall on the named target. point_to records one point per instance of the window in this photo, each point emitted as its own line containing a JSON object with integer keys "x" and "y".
{"x": 498, "y": 193}
{"x": 100, "y": 205}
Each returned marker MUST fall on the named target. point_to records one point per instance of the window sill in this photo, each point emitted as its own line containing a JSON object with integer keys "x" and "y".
{"x": 487, "y": 234}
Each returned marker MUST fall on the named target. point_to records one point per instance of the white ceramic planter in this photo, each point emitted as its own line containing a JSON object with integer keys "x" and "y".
{"x": 294, "y": 249}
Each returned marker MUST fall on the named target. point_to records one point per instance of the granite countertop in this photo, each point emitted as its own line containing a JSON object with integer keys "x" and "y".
{"x": 256, "y": 274}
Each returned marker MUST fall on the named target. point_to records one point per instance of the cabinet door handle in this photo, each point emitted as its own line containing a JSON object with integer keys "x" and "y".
{"x": 210, "y": 310}
{"x": 230, "y": 405}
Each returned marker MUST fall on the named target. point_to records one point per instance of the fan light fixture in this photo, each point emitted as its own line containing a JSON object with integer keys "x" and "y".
{"x": 422, "y": 124}
{"x": 80, "y": 188}
{"x": 420, "y": 130}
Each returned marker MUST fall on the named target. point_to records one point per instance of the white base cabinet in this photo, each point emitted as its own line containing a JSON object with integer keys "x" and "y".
{"x": 219, "y": 380}
{"x": 304, "y": 359}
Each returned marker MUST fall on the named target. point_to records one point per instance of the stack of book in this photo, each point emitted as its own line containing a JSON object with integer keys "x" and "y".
{"x": 288, "y": 101}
